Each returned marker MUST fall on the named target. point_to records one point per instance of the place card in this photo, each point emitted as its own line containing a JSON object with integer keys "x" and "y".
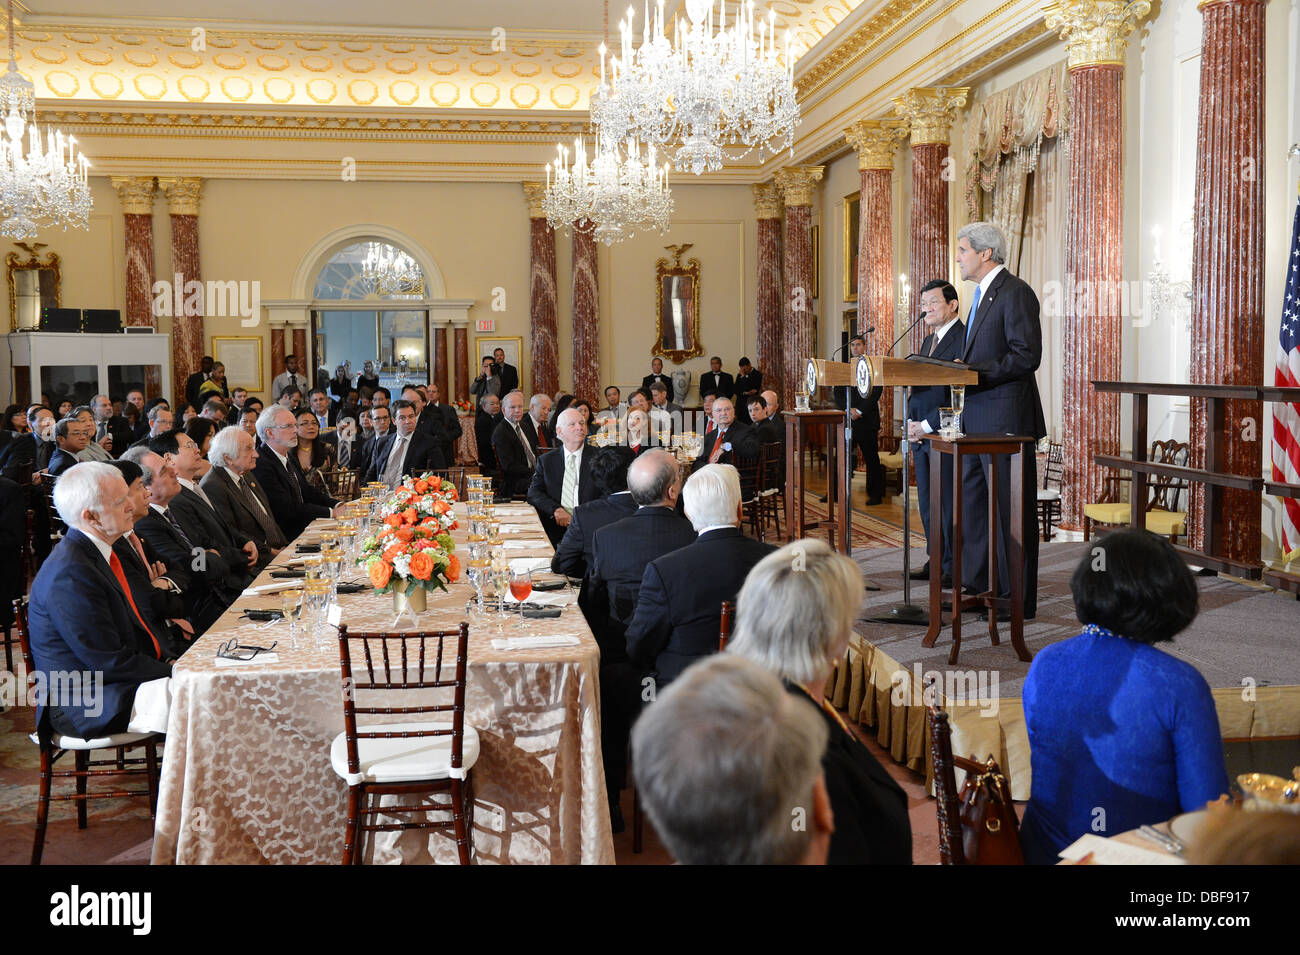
{"x": 279, "y": 585}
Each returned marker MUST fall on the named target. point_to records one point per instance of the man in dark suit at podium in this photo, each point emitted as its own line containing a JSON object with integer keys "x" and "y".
{"x": 1004, "y": 343}
{"x": 946, "y": 337}
{"x": 866, "y": 428}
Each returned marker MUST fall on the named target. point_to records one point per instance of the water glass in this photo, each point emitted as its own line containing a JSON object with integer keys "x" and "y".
{"x": 291, "y": 609}
{"x": 478, "y": 571}
{"x": 316, "y": 603}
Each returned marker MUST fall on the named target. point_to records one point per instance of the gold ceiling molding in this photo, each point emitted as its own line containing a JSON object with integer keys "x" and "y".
{"x": 879, "y": 27}
{"x": 1012, "y": 45}
{"x": 1095, "y": 32}
{"x": 535, "y": 192}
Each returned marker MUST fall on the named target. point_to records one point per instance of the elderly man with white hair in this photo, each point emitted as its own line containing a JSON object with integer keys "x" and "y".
{"x": 236, "y": 495}
{"x": 294, "y": 502}
{"x": 679, "y": 607}
{"x": 726, "y": 766}
{"x": 82, "y": 617}
{"x": 562, "y": 477}
{"x": 794, "y": 617}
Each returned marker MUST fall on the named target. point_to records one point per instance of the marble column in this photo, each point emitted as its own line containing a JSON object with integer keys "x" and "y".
{"x": 1227, "y": 344}
{"x": 137, "y": 196}
{"x": 876, "y": 142}
{"x": 440, "y": 361}
{"x": 188, "y": 343}
{"x": 586, "y": 317}
{"x": 797, "y": 185}
{"x": 543, "y": 297}
{"x": 929, "y": 112}
{"x": 277, "y": 359}
{"x": 1096, "y": 37}
{"x": 305, "y": 361}
{"x": 460, "y": 339}
{"x": 767, "y": 204}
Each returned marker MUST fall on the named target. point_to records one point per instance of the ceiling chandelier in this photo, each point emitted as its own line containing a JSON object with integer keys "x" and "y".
{"x": 391, "y": 271}
{"x": 39, "y": 187}
{"x": 613, "y": 196}
{"x": 704, "y": 90}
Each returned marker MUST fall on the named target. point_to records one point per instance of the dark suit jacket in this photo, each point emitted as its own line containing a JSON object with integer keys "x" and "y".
{"x": 367, "y": 451}
{"x": 241, "y": 516}
{"x": 441, "y": 423}
{"x": 548, "y": 481}
{"x": 422, "y": 455}
{"x": 725, "y": 386}
{"x": 213, "y": 575}
{"x": 60, "y": 461}
{"x": 484, "y": 425}
{"x": 13, "y": 528}
{"x": 925, "y": 403}
{"x": 875, "y": 828}
{"x": 620, "y": 553}
{"x": 1005, "y": 346}
{"x": 80, "y": 620}
{"x": 26, "y": 449}
{"x": 353, "y": 446}
{"x": 745, "y": 384}
{"x": 192, "y": 385}
{"x": 516, "y": 473}
{"x": 202, "y": 524}
{"x": 573, "y": 557}
{"x": 743, "y": 439}
{"x": 679, "y": 608}
{"x": 165, "y": 604}
{"x": 509, "y": 375}
{"x": 649, "y": 380}
{"x": 869, "y": 423}
{"x": 293, "y": 510}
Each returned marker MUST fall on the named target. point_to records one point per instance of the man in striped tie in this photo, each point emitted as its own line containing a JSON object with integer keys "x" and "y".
{"x": 561, "y": 479}
{"x": 82, "y": 618}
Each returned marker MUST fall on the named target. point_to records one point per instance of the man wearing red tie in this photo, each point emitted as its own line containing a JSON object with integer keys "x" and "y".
{"x": 728, "y": 438}
{"x": 82, "y": 617}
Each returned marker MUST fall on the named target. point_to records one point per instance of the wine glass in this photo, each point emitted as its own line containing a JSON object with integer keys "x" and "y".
{"x": 311, "y": 565}
{"x": 478, "y": 570}
{"x": 316, "y": 602}
{"x": 958, "y": 404}
{"x": 500, "y": 580}
{"x": 348, "y": 541}
{"x": 291, "y": 609}
{"x": 332, "y": 566}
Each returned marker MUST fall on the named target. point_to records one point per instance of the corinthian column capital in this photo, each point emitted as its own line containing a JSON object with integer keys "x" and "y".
{"x": 182, "y": 194}
{"x": 767, "y": 200}
{"x": 876, "y": 141}
{"x": 796, "y": 183}
{"x": 930, "y": 110}
{"x": 1095, "y": 32}
{"x": 136, "y": 193}
{"x": 535, "y": 192}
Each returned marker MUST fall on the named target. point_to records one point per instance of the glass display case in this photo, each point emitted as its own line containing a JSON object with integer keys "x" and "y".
{"x": 75, "y": 367}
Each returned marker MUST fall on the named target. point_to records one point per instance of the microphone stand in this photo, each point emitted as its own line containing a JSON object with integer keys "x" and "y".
{"x": 847, "y": 503}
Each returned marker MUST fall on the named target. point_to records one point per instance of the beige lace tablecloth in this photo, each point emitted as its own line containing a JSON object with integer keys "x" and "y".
{"x": 246, "y": 776}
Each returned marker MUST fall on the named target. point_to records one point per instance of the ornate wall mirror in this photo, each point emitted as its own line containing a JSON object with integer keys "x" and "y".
{"x": 33, "y": 284}
{"x": 677, "y": 307}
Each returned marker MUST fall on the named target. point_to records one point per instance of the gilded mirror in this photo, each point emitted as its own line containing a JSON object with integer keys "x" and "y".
{"x": 677, "y": 307}
{"x": 33, "y": 285}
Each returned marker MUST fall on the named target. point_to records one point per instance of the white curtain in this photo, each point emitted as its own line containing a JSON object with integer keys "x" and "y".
{"x": 1042, "y": 259}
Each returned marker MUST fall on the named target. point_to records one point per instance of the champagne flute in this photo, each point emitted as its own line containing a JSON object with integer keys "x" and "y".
{"x": 958, "y": 405}
{"x": 501, "y": 586}
{"x": 291, "y": 609}
{"x": 332, "y": 565}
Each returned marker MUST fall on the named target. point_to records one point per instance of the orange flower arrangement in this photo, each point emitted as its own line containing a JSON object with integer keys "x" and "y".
{"x": 413, "y": 547}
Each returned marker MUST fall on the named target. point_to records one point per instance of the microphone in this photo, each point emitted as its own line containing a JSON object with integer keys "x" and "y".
{"x": 870, "y": 329}
{"x": 906, "y": 332}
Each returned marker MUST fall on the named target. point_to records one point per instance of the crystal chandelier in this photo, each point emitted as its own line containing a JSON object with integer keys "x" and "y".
{"x": 613, "y": 196}
{"x": 41, "y": 187}
{"x": 391, "y": 271}
{"x": 704, "y": 90}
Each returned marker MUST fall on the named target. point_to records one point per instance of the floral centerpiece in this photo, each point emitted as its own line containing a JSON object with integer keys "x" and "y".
{"x": 413, "y": 552}
{"x": 463, "y": 405}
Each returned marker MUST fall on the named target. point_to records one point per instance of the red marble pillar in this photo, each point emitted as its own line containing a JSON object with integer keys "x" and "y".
{"x": 187, "y": 325}
{"x": 797, "y": 184}
{"x": 300, "y": 349}
{"x": 277, "y": 357}
{"x": 767, "y": 203}
{"x": 586, "y": 316}
{"x": 460, "y": 339}
{"x": 1228, "y": 257}
{"x": 137, "y": 196}
{"x": 440, "y": 360}
{"x": 543, "y": 295}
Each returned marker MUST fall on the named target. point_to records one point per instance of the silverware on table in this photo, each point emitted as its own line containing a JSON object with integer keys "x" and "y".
{"x": 1167, "y": 842}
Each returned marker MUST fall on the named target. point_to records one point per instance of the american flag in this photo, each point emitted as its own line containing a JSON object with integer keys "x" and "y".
{"x": 1286, "y": 417}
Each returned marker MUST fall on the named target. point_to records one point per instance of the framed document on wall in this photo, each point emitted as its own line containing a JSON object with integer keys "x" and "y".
{"x": 242, "y": 356}
{"x": 512, "y": 345}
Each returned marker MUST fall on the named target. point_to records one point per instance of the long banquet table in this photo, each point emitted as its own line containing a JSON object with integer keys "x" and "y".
{"x": 246, "y": 774}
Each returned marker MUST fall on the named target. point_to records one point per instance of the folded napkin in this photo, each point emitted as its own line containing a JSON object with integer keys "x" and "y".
{"x": 150, "y": 707}
{"x": 517, "y": 528}
{"x": 260, "y": 658}
{"x": 563, "y": 599}
{"x": 534, "y": 643}
{"x": 279, "y": 585}
{"x": 300, "y": 559}
{"x": 515, "y": 511}
{"x": 527, "y": 545}
{"x": 520, "y": 564}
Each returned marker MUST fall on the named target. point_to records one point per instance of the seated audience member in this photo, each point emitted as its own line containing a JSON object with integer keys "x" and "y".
{"x": 485, "y": 422}
{"x": 588, "y": 415}
{"x": 1232, "y": 836}
{"x": 638, "y": 432}
{"x": 612, "y": 501}
{"x": 94, "y": 450}
{"x": 614, "y": 407}
{"x": 346, "y": 440}
{"x": 214, "y": 410}
{"x": 679, "y": 606}
{"x": 111, "y": 431}
{"x": 159, "y": 421}
{"x": 31, "y": 451}
{"x": 294, "y": 502}
{"x": 767, "y": 432}
{"x": 71, "y": 438}
{"x": 727, "y": 439}
{"x": 82, "y": 615}
{"x": 381, "y": 421}
{"x": 1114, "y": 723}
{"x": 142, "y": 426}
{"x": 238, "y": 396}
{"x": 313, "y": 453}
{"x": 620, "y": 552}
{"x": 200, "y": 431}
{"x": 248, "y": 420}
{"x": 562, "y": 479}
{"x": 381, "y": 398}
{"x": 364, "y": 428}
{"x": 664, "y": 415}
{"x": 794, "y": 617}
{"x": 406, "y": 451}
{"x": 725, "y": 759}
{"x": 187, "y": 412}
{"x": 639, "y": 400}
{"x": 325, "y": 411}
{"x": 534, "y": 423}
{"x": 290, "y": 398}
{"x": 515, "y": 451}
{"x": 236, "y": 496}
{"x": 773, "y": 402}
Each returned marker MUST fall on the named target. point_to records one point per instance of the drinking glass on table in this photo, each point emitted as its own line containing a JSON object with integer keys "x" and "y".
{"x": 500, "y": 582}
{"x": 316, "y": 602}
{"x": 311, "y": 565}
{"x": 291, "y": 610}
{"x": 332, "y": 566}
{"x": 478, "y": 571}
{"x": 348, "y": 540}
{"x": 521, "y": 588}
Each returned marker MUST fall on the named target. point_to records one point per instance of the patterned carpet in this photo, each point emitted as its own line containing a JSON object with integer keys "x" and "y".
{"x": 869, "y": 531}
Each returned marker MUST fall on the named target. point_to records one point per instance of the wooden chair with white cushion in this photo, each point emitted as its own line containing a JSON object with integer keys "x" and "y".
{"x": 414, "y": 757}
{"x": 54, "y": 746}
{"x": 1049, "y": 495}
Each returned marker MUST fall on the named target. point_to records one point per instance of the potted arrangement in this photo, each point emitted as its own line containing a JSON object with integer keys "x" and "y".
{"x": 413, "y": 552}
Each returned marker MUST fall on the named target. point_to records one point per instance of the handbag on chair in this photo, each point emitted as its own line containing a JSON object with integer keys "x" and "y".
{"x": 990, "y": 830}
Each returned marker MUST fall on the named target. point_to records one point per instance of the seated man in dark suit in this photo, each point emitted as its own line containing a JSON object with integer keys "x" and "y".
{"x": 32, "y": 451}
{"x": 159, "y": 421}
{"x": 485, "y": 422}
{"x": 727, "y": 439}
{"x": 679, "y": 607}
{"x": 294, "y": 502}
{"x": 767, "y": 433}
{"x": 381, "y": 417}
{"x": 612, "y": 501}
{"x": 620, "y": 553}
{"x": 346, "y": 439}
{"x": 451, "y": 430}
{"x": 562, "y": 479}
{"x": 83, "y": 618}
{"x": 71, "y": 438}
{"x": 514, "y": 450}
{"x": 115, "y": 428}
{"x": 406, "y": 451}
{"x": 947, "y": 336}
{"x": 236, "y": 496}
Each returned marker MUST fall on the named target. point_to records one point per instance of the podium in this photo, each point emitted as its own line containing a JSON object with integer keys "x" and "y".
{"x": 797, "y": 525}
{"x": 867, "y": 372}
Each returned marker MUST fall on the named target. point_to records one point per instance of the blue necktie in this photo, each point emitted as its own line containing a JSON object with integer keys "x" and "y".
{"x": 970, "y": 318}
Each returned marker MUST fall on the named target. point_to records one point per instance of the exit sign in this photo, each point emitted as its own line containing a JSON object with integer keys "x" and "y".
{"x": 485, "y": 325}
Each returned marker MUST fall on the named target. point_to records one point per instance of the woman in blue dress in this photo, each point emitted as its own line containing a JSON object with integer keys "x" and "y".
{"x": 1121, "y": 733}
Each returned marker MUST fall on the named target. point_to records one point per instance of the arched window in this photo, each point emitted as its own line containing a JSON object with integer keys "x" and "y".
{"x": 370, "y": 268}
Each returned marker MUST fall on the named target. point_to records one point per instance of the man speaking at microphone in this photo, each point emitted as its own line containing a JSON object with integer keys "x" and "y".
{"x": 866, "y": 427}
